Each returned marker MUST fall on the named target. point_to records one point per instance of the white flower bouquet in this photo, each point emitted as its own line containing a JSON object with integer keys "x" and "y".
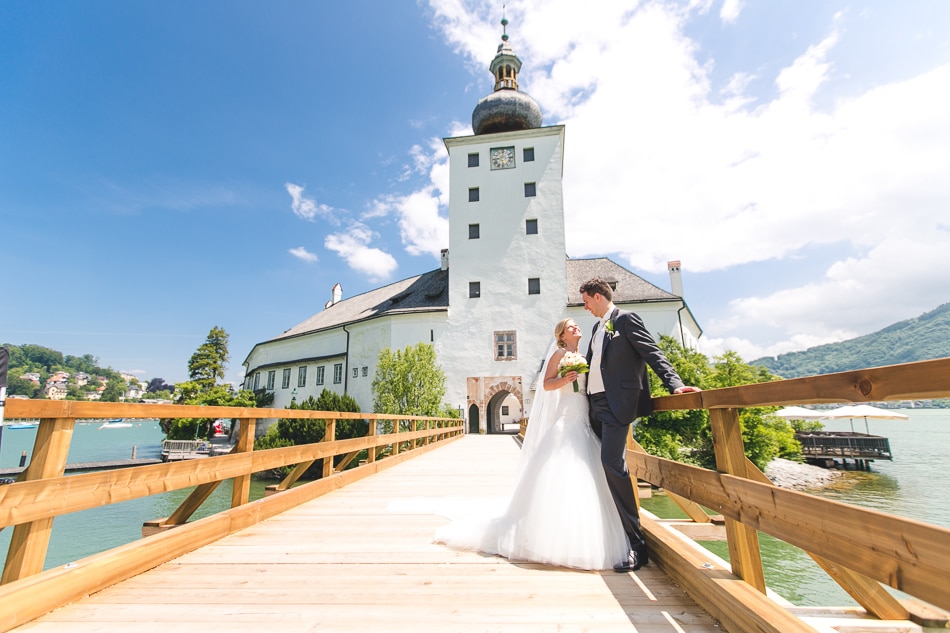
{"x": 572, "y": 361}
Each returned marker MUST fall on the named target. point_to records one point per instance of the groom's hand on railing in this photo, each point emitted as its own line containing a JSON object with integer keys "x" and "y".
{"x": 686, "y": 389}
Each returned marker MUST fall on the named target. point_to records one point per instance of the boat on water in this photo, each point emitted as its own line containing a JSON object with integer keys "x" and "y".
{"x": 22, "y": 425}
{"x": 117, "y": 423}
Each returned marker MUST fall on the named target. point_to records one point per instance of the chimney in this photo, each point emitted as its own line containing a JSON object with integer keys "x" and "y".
{"x": 335, "y": 294}
{"x": 445, "y": 259}
{"x": 676, "y": 280}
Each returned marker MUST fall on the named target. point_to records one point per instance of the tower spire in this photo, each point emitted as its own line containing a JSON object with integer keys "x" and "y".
{"x": 506, "y": 109}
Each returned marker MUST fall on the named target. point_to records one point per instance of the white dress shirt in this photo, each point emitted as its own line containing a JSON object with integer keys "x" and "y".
{"x": 595, "y": 380}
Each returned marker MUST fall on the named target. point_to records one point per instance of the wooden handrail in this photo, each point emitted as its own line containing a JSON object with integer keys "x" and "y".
{"x": 859, "y": 548}
{"x": 42, "y": 492}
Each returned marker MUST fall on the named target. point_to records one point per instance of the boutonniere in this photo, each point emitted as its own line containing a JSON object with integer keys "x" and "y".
{"x": 609, "y": 328}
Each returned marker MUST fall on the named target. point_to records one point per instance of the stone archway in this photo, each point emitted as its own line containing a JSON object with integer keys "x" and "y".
{"x": 487, "y": 394}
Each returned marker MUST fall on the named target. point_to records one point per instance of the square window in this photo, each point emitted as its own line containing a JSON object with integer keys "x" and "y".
{"x": 321, "y": 371}
{"x": 473, "y": 194}
{"x": 534, "y": 286}
{"x": 285, "y": 378}
{"x": 505, "y": 347}
{"x": 473, "y": 231}
{"x": 473, "y": 160}
{"x": 528, "y": 154}
{"x": 504, "y": 409}
{"x": 474, "y": 289}
{"x": 531, "y": 227}
{"x": 302, "y": 376}
{"x": 271, "y": 377}
{"x": 337, "y": 373}
{"x": 530, "y": 190}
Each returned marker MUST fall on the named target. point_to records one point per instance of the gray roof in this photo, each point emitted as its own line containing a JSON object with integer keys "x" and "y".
{"x": 423, "y": 293}
{"x": 629, "y": 287}
{"x": 429, "y": 292}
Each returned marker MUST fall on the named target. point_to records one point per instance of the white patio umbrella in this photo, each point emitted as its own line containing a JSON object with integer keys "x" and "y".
{"x": 864, "y": 411}
{"x": 800, "y": 413}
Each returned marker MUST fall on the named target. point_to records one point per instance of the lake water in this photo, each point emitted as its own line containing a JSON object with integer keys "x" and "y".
{"x": 915, "y": 485}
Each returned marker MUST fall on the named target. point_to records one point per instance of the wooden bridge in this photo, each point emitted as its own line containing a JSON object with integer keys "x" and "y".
{"x": 354, "y": 551}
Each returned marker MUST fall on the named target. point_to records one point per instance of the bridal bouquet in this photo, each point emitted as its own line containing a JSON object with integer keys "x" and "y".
{"x": 572, "y": 361}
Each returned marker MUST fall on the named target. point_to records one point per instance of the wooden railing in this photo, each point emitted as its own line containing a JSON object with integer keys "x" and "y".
{"x": 858, "y": 548}
{"x": 42, "y": 492}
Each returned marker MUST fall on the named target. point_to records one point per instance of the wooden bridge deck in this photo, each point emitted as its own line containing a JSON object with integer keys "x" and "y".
{"x": 362, "y": 559}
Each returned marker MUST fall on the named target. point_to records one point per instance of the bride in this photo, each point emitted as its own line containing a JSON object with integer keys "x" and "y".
{"x": 561, "y": 511}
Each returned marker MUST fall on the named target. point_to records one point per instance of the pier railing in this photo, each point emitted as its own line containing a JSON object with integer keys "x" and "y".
{"x": 42, "y": 492}
{"x": 860, "y": 549}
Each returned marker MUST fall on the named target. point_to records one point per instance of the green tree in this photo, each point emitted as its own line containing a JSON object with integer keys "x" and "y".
{"x": 208, "y": 363}
{"x": 20, "y": 386}
{"x": 685, "y": 435}
{"x": 217, "y": 396}
{"x": 115, "y": 389}
{"x": 409, "y": 382}
{"x": 292, "y": 432}
{"x": 205, "y": 367}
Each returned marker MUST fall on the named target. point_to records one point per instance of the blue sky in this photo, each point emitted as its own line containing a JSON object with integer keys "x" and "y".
{"x": 168, "y": 167}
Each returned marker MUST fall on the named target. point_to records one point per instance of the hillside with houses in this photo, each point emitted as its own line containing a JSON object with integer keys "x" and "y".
{"x": 43, "y": 373}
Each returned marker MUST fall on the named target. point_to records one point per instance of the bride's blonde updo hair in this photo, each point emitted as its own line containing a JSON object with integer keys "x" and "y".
{"x": 559, "y": 332}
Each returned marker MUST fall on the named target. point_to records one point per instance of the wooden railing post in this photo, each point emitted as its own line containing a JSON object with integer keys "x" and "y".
{"x": 241, "y": 485}
{"x": 329, "y": 436}
{"x": 371, "y": 432}
{"x": 744, "y": 554}
{"x": 28, "y": 545}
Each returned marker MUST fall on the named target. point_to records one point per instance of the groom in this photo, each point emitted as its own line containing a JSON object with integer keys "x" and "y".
{"x": 619, "y": 391}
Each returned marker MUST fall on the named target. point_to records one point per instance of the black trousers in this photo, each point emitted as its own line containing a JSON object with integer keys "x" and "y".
{"x": 613, "y": 449}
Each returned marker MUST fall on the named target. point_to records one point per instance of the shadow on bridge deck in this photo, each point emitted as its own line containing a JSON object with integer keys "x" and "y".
{"x": 362, "y": 558}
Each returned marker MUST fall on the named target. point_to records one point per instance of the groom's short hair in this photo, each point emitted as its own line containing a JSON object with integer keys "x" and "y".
{"x": 597, "y": 286}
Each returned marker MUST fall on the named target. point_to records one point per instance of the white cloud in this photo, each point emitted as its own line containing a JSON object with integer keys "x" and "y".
{"x": 719, "y": 177}
{"x": 307, "y": 208}
{"x": 423, "y": 227}
{"x": 730, "y": 10}
{"x": 353, "y": 246}
{"x": 302, "y": 253}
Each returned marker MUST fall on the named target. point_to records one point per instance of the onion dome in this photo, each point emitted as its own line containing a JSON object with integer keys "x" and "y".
{"x": 506, "y": 109}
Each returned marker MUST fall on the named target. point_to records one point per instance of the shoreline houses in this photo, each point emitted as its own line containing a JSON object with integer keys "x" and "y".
{"x": 489, "y": 309}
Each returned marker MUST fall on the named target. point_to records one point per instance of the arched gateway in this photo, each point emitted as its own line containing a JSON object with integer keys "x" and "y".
{"x": 495, "y": 400}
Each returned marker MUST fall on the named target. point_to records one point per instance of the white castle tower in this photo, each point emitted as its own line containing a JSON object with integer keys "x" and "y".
{"x": 507, "y": 278}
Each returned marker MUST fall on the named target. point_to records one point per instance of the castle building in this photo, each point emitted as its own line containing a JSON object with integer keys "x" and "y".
{"x": 503, "y": 283}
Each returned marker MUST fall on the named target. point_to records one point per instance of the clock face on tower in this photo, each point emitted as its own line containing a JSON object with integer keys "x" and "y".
{"x": 502, "y": 157}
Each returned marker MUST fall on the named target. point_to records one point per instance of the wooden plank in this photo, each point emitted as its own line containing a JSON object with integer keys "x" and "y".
{"x": 901, "y": 553}
{"x": 28, "y": 545}
{"x": 735, "y": 603}
{"x": 744, "y": 554}
{"x": 923, "y": 379}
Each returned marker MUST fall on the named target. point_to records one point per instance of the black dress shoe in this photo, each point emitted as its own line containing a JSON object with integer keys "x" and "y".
{"x": 636, "y": 559}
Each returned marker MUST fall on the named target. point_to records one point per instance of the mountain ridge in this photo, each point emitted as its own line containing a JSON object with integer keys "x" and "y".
{"x": 921, "y": 338}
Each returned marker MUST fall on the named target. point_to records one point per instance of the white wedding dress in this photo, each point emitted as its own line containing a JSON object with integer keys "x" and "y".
{"x": 561, "y": 511}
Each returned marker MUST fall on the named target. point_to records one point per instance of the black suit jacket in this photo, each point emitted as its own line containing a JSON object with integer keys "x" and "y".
{"x": 627, "y": 352}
